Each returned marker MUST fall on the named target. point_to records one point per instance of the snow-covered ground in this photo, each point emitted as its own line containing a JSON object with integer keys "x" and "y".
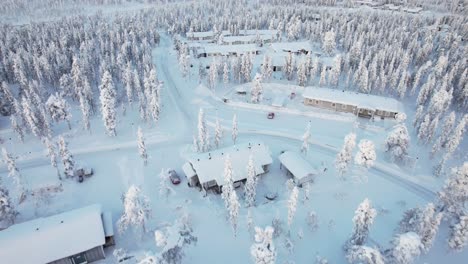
{"x": 391, "y": 188}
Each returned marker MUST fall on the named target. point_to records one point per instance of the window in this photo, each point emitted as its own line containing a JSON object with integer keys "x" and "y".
{"x": 343, "y": 106}
{"x": 333, "y": 104}
{"x": 79, "y": 259}
{"x": 317, "y": 102}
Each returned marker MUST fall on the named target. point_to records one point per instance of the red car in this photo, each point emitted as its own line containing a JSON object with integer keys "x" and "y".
{"x": 271, "y": 115}
{"x": 175, "y": 179}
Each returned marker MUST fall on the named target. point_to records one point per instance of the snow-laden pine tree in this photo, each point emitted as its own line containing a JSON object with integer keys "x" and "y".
{"x": 142, "y": 146}
{"x": 108, "y": 101}
{"x": 406, "y": 247}
{"x": 305, "y": 139}
{"x": 52, "y": 154}
{"x": 86, "y": 104}
{"x": 202, "y": 131}
{"x": 364, "y": 255}
{"x": 444, "y": 134}
{"x": 457, "y": 136}
{"x": 263, "y": 250}
{"x": 17, "y": 127}
{"x": 58, "y": 108}
{"x": 164, "y": 188}
{"x": 67, "y": 158}
{"x": 256, "y": 93}
{"x": 344, "y": 157}
{"x": 154, "y": 107}
{"x": 13, "y": 170}
{"x": 459, "y": 235}
{"x": 142, "y": 100}
{"x": 329, "y": 42}
{"x": 363, "y": 219}
{"x": 366, "y": 155}
{"x": 234, "y": 206}
{"x": 454, "y": 194}
{"x": 225, "y": 74}
{"x": 267, "y": 67}
{"x": 323, "y": 76}
{"x": 7, "y": 209}
{"x": 137, "y": 210}
{"x": 292, "y": 205}
{"x": 213, "y": 75}
{"x": 251, "y": 183}
{"x": 30, "y": 117}
{"x": 288, "y": 67}
{"x": 218, "y": 133}
{"x": 128, "y": 82}
{"x": 235, "y": 130}
{"x": 301, "y": 74}
{"x": 397, "y": 143}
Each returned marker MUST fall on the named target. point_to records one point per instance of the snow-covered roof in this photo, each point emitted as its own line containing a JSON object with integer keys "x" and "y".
{"x": 245, "y": 39}
{"x": 360, "y": 100}
{"x": 210, "y": 166}
{"x": 47, "y": 239}
{"x": 413, "y": 10}
{"x": 188, "y": 170}
{"x": 297, "y": 165}
{"x": 107, "y": 223}
{"x": 226, "y": 49}
{"x": 291, "y": 46}
{"x": 204, "y": 34}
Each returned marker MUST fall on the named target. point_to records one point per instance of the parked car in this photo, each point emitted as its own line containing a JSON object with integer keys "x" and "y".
{"x": 82, "y": 171}
{"x": 175, "y": 179}
{"x": 271, "y": 115}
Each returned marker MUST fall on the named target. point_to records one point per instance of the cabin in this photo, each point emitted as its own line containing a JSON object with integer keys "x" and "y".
{"x": 362, "y": 105}
{"x": 228, "y": 50}
{"x": 198, "y": 36}
{"x": 208, "y": 168}
{"x": 296, "y": 48}
{"x": 297, "y": 167}
{"x": 74, "y": 237}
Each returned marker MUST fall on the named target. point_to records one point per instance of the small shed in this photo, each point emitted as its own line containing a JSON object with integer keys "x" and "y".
{"x": 297, "y": 167}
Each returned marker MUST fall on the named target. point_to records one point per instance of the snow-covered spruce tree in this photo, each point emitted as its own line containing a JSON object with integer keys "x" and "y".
{"x": 292, "y": 204}
{"x": 225, "y": 74}
{"x": 7, "y": 210}
{"x": 257, "y": 90}
{"x": 9, "y": 160}
{"x": 454, "y": 194}
{"x": 397, "y": 142}
{"x": 329, "y": 42}
{"x": 213, "y": 75}
{"x": 30, "y": 117}
{"x": 457, "y": 136}
{"x": 108, "y": 102}
{"x": 364, "y": 255}
{"x": 58, "y": 108}
{"x": 323, "y": 76}
{"x": 406, "y": 247}
{"x": 218, "y": 133}
{"x": 305, "y": 140}
{"x": 127, "y": 77}
{"x": 289, "y": 66}
{"x": 154, "y": 107}
{"x": 445, "y": 133}
{"x": 142, "y": 100}
{"x": 86, "y": 104}
{"x": 52, "y": 154}
{"x": 363, "y": 218}
{"x": 142, "y": 146}
{"x": 164, "y": 188}
{"x": 17, "y": 127}
{"x": 267, "y": 67}
{"x": 366, "y": 155}
{"x": 251, "y": 183}
{"x": 263, "y": 250}
{"x": 136, "y": 212}
{"x": 67, "y": 158}
{"x": 235, "y": 130}
{"x": 459, "y": 236}
{"x": 229, "y": 195}
{"x": 344, "y": 157}
{"x": 202, "y": 131}
{"x": 302, "y": 74}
